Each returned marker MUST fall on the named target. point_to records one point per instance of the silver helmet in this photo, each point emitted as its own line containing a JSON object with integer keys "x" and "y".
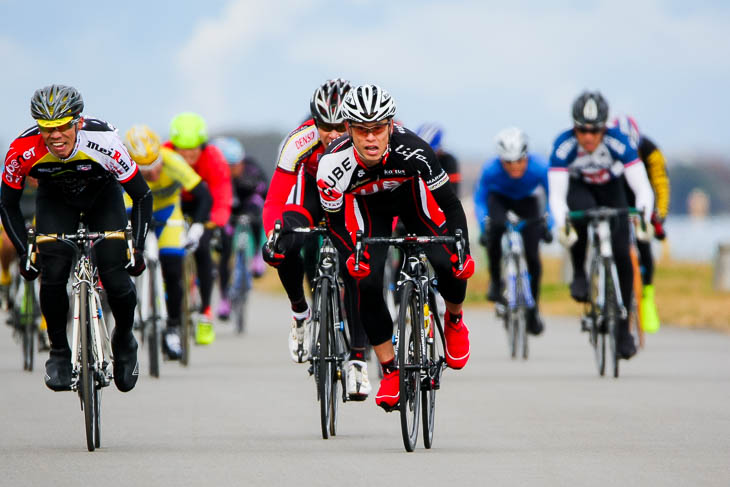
{"x": 367, "y": 103}
{"x": 327, "y": 99}
{"x": 56, "y": 105}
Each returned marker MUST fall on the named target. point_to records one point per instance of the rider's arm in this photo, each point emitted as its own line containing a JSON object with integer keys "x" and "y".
{"x": 281, "y": 184}
{"x": 481, "y": 193}
{"x": 639, "y": 182}
{"x": 203, "y": 202}
{"x": 454, "y": 212}
{"x": 558, "y": 181}
{"x": 657, "y": 170}
{"x": 12, "y": 217}
{"x": 137, "y": 189}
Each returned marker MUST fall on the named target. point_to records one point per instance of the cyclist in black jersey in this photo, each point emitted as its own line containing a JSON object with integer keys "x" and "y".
{"x": 376, "y": 172}
{"x": 79, "y": 164}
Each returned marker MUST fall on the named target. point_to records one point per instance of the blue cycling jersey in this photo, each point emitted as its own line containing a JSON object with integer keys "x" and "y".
{"x": 494, "y": 179}
{"x": 607, "y": 162}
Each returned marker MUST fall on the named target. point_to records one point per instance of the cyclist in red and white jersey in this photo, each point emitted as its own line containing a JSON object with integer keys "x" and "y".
{"x": 293, "y": 199}
{"x": 380, "y": 171}
{"x": 81, "y": 166}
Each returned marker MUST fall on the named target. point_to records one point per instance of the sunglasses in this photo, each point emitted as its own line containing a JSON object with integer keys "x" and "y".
{"x": 516, "y": 161}
{"x": 586, "y": 130}
{"x": 363, "y": 131}
{"x": 329, "y": 127}
{"x": 60, "y": 128}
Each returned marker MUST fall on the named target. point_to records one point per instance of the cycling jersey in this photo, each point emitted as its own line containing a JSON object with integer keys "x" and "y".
{"x": 99, "y": 156}
{"x": 409, "y": 158}
{"x": 494, "y": 179}
{"x": 249, "y": 190}
{"x": 656, "y": 168}
{"x": 212, "y": 168}
{"x": 302, "y": 147}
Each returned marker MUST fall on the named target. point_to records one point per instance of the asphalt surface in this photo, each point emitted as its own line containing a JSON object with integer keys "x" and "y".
{"x": 244, "y": 414}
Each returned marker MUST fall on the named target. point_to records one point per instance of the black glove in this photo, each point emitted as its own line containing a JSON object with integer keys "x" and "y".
{"x": 271, "y": 256}
{"x": 29, "y": 274}
{"x": 139, "y": 265}
{"x": 546, "y": 235}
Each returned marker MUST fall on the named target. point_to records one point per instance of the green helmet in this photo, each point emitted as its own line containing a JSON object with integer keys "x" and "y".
{"x": 188, "y": 131}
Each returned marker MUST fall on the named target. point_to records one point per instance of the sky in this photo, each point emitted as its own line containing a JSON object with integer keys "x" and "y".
{"x": 475, "y": 67}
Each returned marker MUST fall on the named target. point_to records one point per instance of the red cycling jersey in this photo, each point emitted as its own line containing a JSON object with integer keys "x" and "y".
{"x": 301, "y": 147}
{"x": 212, "y": 168}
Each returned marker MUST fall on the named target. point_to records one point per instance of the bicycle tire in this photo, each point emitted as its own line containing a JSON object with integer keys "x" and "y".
{"x": 154, "y": 346}
{"x": 323, "y": 368}
{"x": 597, "y": 330}
{"x": 522, "y": 333}
{"x": 187, "y": 317}
{"x": 612, "y": 316}
{"x": 97, "y": 417}
{"x": 241, "y": 293}
{"x": 29, "y": 328}
{"x": 409, "y": 355}
{"x": 428, "y": 386}
{"x": 334, "y": 365}
{"x": 87, "y": 384}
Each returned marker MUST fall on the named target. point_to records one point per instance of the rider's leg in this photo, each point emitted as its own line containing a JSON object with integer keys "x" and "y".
{"x": 580, "y": 197}
{"x": 497, "y": 207}
{"x": 204, "y": 267}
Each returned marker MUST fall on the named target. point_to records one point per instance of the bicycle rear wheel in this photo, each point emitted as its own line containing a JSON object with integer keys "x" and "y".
{"x": 429, "y": 384}
{"x": 187, "y": 315}
{"x": 611, "y": 313}
{"x": 410, "y": 348}
{"x": 597, "y": 325}
{"x": 87, "y": 385}
{"x": 153, "y": 327}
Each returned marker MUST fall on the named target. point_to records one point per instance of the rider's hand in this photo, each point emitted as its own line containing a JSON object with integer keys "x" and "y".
{"x": 546, "y": 235}
{"x": 192, "y": 239}
{"x": 658, "y": 223}
{"x": 139, "y": 265}
{"x": 270, "y": 255}
{"x": 363, "y": 269}
{"x": 467, "y": 269}
{"x": 567, "y": 236}
{"x": 29, "y": 274}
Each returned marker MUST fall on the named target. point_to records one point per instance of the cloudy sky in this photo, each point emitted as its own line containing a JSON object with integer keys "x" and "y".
{"x": 473, "y": 66}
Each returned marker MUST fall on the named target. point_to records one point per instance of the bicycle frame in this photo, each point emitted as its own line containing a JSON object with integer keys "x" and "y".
{"x": 602, "y": 259}
{"x": 513, "y": 255}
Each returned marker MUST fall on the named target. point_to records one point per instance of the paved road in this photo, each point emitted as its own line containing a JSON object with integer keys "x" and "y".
{"x": 242, "y": 414}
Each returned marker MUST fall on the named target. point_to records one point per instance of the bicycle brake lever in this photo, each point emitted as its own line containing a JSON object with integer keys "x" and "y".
{"x": 358, "y": 249}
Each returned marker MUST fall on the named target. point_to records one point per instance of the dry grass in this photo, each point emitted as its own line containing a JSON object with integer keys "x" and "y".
{"x": 684, "y": 293}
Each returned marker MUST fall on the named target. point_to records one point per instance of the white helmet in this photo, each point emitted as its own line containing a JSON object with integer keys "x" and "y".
{"x": 511, "y": 144}
{"x": 367, "y": 103}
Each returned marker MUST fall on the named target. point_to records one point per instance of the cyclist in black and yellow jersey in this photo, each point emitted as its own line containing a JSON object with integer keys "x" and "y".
{"x": 656, "y": 169}
{"x": 167, "y": 173}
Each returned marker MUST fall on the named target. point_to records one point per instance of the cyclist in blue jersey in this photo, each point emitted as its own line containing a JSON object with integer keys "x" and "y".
{"x": 586, "y": 168}
{"x": 516, "y": 180}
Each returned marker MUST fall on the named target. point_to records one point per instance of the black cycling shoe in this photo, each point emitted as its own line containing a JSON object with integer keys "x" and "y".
{"x": 579, "y": 287}
{"x": 534, "y": 324}
{"x": 58, "y": 370}
{"x": 494, "y": 293}
{"x": 626, "y": 345}
{"x": 126, "y": 366}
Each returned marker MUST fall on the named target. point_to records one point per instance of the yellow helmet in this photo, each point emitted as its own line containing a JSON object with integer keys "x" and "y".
{"x": 143, "y": 145}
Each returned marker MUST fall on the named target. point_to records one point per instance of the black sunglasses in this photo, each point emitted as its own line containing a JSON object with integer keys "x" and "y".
{"x": 329, "y": 127}
{"x": 588, "y": 130}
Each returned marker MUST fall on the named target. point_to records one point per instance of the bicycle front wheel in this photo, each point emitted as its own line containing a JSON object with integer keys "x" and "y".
{"x": 410, "y": 353}
{"x": 429, "y": 384}
{"x": 597, "y": 323}
{"x": 324, "y": 369}
{"x": 611, "y": 313}
{"x": 87, "y": 385}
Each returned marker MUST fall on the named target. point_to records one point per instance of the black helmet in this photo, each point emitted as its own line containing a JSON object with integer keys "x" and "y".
{"x": 56, "y": 105}
{"x": 327, "y": 99}
{"x": 590, "y": 109}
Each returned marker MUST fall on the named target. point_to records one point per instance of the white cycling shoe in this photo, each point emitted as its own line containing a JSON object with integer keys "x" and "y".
{"x": 358, "y": 384}
{"x": 300, "y": 339}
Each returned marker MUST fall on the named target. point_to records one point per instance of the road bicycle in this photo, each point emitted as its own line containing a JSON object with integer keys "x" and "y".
{"x": 518, "y": 298}
{"x": 419, "y": 340}
{"x": 241, "y": 277}
{"x": 25, "y": 317}
{"x": 91, "y": 348}
{"x": 329, "y": 331}
{"x": 605, "y": 309}
{"x": 152, "y": 310}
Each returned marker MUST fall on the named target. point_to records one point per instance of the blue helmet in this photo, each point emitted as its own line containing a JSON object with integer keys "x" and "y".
{"x": 431, "y": 133}
{"x": 232, "y": 149}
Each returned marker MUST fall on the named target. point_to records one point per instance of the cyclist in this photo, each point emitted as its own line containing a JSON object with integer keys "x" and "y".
{"x": 167, "y": 174}
{"x": 293, "y": 199}
{"x": 249, "y": 192}
{"x": 656, "y": 168}
{"x": 515, "y": 180}
{"x": 79, "y": 164}
{"x": 378, "y": 171}
{"x": 189, "y": 138}
{"x": 433, "y": 134}
{"x": 586, "y": 167}
{"x": 7, "y": 250}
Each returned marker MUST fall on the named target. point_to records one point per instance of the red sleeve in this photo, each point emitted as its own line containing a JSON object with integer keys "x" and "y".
{"x": 279, "y": 189}
{"x": 218, "y": 177}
